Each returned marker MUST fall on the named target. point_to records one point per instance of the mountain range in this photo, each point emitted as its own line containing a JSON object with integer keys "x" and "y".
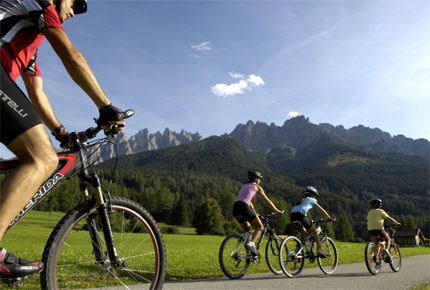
{"x": 296, "y": 133}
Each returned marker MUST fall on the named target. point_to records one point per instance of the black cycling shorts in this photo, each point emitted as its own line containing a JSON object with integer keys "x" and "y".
{"x": 299, "y": 217}
{"x": 381, "y": 234}
{"x": 17, "y": 113}
{"x": 243, "y": 212}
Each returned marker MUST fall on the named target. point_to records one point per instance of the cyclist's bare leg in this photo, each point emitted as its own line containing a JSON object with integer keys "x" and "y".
{"x": 316, "y": 237}
{"x": 258, "y": 226}
{"x": 38, "y": 160}
{"x": 387, "y": 243}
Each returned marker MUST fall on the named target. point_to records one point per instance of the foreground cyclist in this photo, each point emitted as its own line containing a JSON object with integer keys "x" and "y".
{"x": 24, "y": 24}
{"x": 244, "y": 211}
{"x": 299, "y": 213}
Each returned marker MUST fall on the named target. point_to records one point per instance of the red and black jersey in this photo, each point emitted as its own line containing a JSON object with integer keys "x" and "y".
{"x": 21, "y": 24}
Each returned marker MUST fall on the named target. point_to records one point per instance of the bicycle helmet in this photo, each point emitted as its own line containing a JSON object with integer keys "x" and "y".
{"x": 309, "y": 190}
{"x": 254, "y": 174}
{"x": 80, "y": 6}
{"x": 375, "y": 202}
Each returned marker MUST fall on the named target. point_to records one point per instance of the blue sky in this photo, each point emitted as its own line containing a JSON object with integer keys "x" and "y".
{"x": 206, "y": 66}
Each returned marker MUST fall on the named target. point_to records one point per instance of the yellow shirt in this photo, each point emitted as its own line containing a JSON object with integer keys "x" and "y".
{"x": 375, "y": 219}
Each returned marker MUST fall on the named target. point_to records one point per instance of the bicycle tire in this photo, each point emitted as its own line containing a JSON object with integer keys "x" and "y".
{"x": 291, "y": 265}
{"x": 328, "y": 265}
{"x": 373, "y": 263}
{"x": 272, "y": 255}
{"x": 231, "y": 259}
{"x": 70, "y": 262}
{"x": 396, "y": 257}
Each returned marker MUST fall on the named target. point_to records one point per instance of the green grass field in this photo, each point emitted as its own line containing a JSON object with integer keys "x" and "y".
{"x": 189, "y": 256}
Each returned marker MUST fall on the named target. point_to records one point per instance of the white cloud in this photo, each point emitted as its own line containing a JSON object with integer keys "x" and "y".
{"x": 202, "y": 46}
{"x": 240, "y": 87}
{"x": 293, "y": 114}
{"x": 236, "y": 75}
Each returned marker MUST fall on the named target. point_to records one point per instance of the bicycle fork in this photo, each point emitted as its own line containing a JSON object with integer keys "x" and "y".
{"x": 103, "y": 209}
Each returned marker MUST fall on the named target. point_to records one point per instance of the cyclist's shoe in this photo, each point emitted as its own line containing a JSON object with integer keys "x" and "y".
{"x": 251, "y": 247}
{"x": 320, "y": 253}
{"x": 387, "y": 256}
{"x": 13, "y": 267}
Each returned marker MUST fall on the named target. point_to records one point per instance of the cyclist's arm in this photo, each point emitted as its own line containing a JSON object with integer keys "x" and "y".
{"x": 76, "y": 65}
{"x": 393, "y": 221}
{"x": 34, "y": 86}
{"x": 322, "y": 211}
{"x": 266, "y": 200}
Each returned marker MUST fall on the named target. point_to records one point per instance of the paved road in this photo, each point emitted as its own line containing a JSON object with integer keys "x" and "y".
{"x": 415, "y": 270}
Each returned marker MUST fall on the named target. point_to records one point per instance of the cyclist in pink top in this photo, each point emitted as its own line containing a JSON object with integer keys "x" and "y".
{"x": 244, "y": 211}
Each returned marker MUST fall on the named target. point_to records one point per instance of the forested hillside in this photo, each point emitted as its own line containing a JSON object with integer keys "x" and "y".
{"x": 172, "y": 183}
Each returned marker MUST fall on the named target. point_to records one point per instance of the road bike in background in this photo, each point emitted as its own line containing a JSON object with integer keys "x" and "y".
{"x": 293, "y": 252}
{"x": 374, "y": 255}
{"x": 235, "y": 259}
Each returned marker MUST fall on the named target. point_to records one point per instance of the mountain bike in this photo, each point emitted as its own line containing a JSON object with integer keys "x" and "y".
{"x": 374, "y": 255}
{"x": 105, "y": 241}
{"x": 235, "y": 259}
{"x": 293, "y": 253}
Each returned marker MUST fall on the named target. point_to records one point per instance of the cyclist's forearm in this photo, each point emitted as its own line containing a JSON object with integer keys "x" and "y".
{"x": 81, "y": 73}
{"x": 40, "y": 101}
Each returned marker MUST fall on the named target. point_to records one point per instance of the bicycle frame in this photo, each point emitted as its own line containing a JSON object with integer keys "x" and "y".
{"x": 71, "y": 163}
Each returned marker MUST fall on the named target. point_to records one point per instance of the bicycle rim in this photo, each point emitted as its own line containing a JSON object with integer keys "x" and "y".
{"x": 232, "y": 257}
{"x": 70, "y": 262}
{"x": 373, "y": 264}
{"x": 328, "y": 265}
{"x": 292, "y": 264}
{"x": 396, "y": 258}
{"x": 272, "y": 255}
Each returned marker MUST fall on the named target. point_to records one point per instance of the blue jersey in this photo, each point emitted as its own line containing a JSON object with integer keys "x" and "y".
{"x": 307, "y": 204}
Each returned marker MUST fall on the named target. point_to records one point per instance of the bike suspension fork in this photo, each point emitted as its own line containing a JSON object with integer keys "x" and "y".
{"x": 103, "y": 212}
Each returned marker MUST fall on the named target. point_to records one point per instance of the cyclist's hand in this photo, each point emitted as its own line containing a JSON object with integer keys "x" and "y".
{"x": 331, "y": 220}
{"x": 279, "y": 213}
{"x": 112, "y": 119}
{"x": 62, "y": 136}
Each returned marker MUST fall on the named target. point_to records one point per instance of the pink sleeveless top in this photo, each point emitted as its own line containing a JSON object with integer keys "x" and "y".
{"x": 247, "y": 193}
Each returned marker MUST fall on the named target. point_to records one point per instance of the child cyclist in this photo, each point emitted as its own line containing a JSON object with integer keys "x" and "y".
{"x": 299, "y": 213}
{"x": 244, "y": 211}
{"x": 375, "y": 223}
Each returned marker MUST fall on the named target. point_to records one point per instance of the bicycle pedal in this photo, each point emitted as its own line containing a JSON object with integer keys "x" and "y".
{"x": 13, "y": 283}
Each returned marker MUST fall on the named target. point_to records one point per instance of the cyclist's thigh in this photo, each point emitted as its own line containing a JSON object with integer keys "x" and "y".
{"x": 17, "y": 113}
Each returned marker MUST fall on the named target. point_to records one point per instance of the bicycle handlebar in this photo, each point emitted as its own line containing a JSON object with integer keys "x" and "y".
{"x": 92, "y": 132}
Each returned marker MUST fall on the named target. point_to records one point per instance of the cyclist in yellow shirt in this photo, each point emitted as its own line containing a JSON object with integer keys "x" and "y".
{"x": 375, "y": 223}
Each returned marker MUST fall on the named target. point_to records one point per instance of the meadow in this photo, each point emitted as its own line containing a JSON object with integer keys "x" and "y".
{"x": 189, "y": 256}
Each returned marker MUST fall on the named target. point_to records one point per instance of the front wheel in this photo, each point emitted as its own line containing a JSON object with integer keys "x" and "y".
{"x": 373, "y": 263}
{"x": 291, "y": 257}
{"x": 232, "y": 257}
{"x": 328, "y": 265}
{"x": 272, "y": 255}
{"x": 396, "y": 257}
{"x": 69, "y": 257}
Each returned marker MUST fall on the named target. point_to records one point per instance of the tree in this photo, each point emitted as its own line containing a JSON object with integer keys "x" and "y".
{"x": 410, "y": 223}
{"x": 208, "y": 218}
{"x": 180, "y": 215}
{"x": 344, "y": 230}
